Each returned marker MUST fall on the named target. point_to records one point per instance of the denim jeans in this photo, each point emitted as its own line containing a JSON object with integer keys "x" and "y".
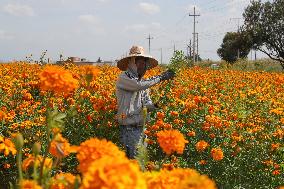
{"x": 129, "y": 137}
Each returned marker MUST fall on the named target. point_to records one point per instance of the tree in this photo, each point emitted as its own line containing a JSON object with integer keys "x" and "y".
{"x": 178, "y": 61}
{"x": 234, "y": 45}
{"x": 264, "y": 22}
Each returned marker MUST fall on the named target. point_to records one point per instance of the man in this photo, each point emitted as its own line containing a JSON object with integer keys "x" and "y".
{"x": 132, "y": 95}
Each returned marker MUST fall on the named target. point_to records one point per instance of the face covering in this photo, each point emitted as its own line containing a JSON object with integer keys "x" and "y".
{"x": 132, "y": 66}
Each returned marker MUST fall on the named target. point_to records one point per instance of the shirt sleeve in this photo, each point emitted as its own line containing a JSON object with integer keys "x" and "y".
{"x": 126, "y": 83}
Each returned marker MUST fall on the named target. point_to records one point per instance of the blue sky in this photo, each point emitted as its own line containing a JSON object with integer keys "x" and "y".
{"x": 108, "y": 28}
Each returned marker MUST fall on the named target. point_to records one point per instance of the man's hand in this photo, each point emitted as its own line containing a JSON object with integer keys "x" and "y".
{"x": 169, "y": 74}
{"x": 157, "y": 105}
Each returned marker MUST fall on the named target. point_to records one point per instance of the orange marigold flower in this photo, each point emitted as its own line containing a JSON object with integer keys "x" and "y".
{"x": 174, "y": 113}
{"x": 2, "y": 115}
{"x": 60, "y": 147}
{"x": 160, "y": 115}
{"x": 191, "y": 134}
{"x": 7, "y": 165}
{"x": 217, "y": 154}
{"x": 63, "y": 181}
{"x": 275, "y": 146}
{"x": 30, "y": 161}
{"x": 276, "y": 172}
{"x": 113, "y": 173}
{"x": 168, "y": 166}
{"x": 94, "y": 149}
{"x": 282, "y": 120}
{"x": 90, "y": 70}
{"x": 29, "y": 184}
{"x": 178, "y": 178}
{"x": 201, "y": 146}
{"x": 202, "y": 162}
{"x": 57, "y": 80}
{"x": 171, "y": 141}
{"x": 7, "y": 146}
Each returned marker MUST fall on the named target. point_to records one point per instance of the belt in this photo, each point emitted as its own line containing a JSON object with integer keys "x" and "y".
{"x": 131, "y": 125}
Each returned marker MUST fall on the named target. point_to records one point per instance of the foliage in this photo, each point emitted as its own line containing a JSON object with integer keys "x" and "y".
{"x": 235, "y": 45}
{"x": 232, "y": 120}
{"x": 178, "y": 61}
{"x": 263, "y": 23}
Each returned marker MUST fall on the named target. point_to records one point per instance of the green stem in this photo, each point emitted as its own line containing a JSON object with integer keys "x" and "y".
{"x": 35, "y": 172}
{"x": 19, "y": 162}
{"x": 48, "y": 146}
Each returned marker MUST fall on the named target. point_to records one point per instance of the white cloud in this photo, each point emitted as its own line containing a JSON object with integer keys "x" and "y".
{"x": 19, "y": 10}
{"x": 155, "y": 25}
{"x": 89, "y": 19}
{"x": 136, "y": 27}
{"x": 149, "y": 8}
{"x": 143, "y": 27}
{"x": 5, "y": 35}
{"x": 91, "y": 23}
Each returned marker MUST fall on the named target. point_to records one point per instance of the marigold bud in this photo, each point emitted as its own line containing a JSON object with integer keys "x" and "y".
{"x": 19, "y": 141}
{"x": 36, "y": 148}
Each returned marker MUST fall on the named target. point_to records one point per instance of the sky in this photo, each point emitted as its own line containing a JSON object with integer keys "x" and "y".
{"x": 108, "y": 28}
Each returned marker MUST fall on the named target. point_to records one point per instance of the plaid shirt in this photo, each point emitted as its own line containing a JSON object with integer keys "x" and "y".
{"x": 132, "y": 94}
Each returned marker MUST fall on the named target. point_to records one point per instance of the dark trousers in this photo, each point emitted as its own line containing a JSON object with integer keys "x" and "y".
{"x": 129, "y": 137}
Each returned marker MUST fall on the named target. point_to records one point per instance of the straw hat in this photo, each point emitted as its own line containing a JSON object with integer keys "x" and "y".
{"x": 136, "y": 51}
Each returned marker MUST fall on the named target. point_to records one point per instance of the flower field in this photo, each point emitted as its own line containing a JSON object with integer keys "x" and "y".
{"x": 214, "y": 129}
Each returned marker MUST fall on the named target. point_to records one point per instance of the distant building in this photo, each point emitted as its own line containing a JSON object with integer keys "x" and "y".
{"x": 83, "y": 61}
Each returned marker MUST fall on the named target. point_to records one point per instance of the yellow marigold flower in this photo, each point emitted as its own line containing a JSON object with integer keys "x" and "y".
{"x": 57, "y": 80}
{"x": 113, "y": 173}
{"x": 178, "y": 178}
{"x": 30, "y": 161}
{"x": 59, "y": 146}
{"x": 63, "y": 181}
{"x": 171, "y": 141}
{"x": 217, "y": 154}
{"x": 201, "y": 146}
{"x": 94, "y": 149}
{"x": 29, "y": 184}
{"x": 7, "y": 146}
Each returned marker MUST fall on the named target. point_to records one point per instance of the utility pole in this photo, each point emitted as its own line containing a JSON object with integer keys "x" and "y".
{"x": 254, "y": 54}
{"x": 190, "y": 48}
{"x": 194, "y": 15}
{"x": 149, "y": 38}
{"x": 238, "y": 19}
{"x": 197, "y": 48}
{"x": 161, "y": 55}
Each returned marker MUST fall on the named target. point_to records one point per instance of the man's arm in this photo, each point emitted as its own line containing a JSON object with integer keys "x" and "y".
{"x": 126, "y": 83}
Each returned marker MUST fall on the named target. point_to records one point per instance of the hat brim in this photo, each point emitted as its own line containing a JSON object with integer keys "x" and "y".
{"x": 122, "y": 64}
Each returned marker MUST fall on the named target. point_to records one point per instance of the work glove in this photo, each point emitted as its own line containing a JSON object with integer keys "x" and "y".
{"x": 169, "y": 74}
